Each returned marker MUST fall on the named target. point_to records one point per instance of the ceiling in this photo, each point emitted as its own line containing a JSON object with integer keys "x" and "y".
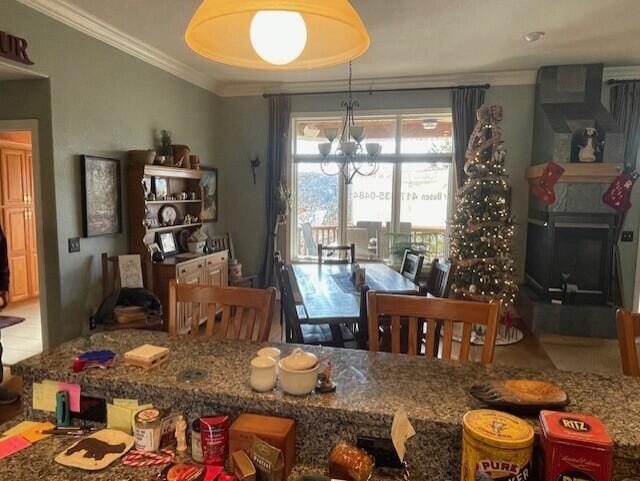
{"x": 411, "y": 37}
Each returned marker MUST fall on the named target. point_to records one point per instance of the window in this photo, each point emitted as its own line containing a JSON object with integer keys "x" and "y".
{"x": 404, "y": 204}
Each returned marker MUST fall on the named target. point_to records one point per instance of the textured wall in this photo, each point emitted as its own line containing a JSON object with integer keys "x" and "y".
{"x": 103, "y": 102}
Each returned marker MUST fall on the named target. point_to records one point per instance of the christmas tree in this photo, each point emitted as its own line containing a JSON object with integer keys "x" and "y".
{"x": 482, "y": 227}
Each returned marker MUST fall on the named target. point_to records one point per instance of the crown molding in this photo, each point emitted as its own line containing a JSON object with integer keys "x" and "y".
{"x": 622, "y": 73}
{"x": 512, "y": 77}
{"x": 83, "y": 21}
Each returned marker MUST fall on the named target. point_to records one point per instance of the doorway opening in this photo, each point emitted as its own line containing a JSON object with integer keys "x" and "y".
{"x": 21, "y": 320}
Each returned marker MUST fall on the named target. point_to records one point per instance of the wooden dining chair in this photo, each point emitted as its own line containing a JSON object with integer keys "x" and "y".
{"x": 350, "y": 254}
{"x": 411, "y": 266}
{"x": 246, "y": 313}
{"x": 628, "y": 324}
{"x": 411, "y": 310}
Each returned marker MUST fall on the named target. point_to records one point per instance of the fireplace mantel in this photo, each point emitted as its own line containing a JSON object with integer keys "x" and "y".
{"x": 580, "y": 173}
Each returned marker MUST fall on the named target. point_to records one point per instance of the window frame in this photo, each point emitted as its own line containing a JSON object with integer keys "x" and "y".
{"x": 397, "y": 158}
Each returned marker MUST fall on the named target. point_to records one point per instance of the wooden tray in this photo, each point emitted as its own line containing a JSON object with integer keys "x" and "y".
{"x": 520, "y": 395}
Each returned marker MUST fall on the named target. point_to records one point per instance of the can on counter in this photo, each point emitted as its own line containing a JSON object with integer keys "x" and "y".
{"x": 575, "y": 447}
{"x": 146, "y": 429}
{"x": 214, "y": 439}
{"x": 495, "y": 445}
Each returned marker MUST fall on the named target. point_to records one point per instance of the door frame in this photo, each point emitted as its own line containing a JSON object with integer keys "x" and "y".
{"x": 32, "y": 126}
{"x": 636, "y": 290}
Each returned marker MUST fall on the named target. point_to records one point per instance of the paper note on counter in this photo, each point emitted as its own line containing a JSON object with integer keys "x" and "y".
{"x": 401, "y": 431}
{"x": 30, "y": 430}
{"x": 11, "y": 445}
{"x": 120, "y": 414}
{"x": 126, "y": 403}
{"x": 74, "y": 395}
{"x": 44, "y": 396}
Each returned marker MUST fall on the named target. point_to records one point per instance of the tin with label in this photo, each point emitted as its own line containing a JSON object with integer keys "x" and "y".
{"x": 496, "y": 445}
{"x": 147, "y": 429}
{"x": 575, "y": 447}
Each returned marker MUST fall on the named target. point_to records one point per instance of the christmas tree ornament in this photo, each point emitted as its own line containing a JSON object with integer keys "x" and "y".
{"x": 618, "y": 194}
{"x": 543, "y": 186}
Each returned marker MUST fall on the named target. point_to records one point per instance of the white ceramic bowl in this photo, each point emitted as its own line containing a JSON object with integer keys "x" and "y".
{"x": 298, "y": 383}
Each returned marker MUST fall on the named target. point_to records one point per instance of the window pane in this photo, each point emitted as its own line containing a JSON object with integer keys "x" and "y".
{"x": 310, "y": 133}
{"x": 369, "y": 212}
{"x": 381, "y": 131}
{"x": 316, "y": 209}
{"x": 423, "y": 207}
{"x": 426, "y": 135}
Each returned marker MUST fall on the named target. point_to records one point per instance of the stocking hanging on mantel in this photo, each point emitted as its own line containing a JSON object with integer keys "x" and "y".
{"x": 544, "y": 186}
{"x": 619, "y": 192}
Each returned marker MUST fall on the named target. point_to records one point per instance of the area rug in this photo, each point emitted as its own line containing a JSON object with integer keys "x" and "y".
{"x": 6, "y": 321}
{"x": 507, "y": 335}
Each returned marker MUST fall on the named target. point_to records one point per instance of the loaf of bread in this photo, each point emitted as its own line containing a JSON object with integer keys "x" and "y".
{"x": 350, "y": 463}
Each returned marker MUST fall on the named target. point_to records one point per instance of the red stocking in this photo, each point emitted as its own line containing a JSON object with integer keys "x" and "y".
{"x": 543, "y": 186}
{"x": 618, "y": 194}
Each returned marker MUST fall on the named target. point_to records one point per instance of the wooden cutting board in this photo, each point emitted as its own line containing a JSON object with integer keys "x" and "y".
{"x": 97, "y": 451}
{"x": 520, "y": 395}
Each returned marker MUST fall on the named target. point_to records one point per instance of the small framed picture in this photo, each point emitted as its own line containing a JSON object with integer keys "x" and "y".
{"x": 167, "y": 242}
{"x": 160, "y": 187}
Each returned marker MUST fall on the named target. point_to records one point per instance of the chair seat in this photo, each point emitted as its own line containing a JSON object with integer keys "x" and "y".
{"x": 320, "y": 334}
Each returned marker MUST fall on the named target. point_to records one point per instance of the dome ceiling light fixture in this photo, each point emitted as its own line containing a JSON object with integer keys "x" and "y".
{"x": 278, "y": 34}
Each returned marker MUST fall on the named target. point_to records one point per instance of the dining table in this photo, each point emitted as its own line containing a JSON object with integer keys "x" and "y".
{"x": 329, "y": 295}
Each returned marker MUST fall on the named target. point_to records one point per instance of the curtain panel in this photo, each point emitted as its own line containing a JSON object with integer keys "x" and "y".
{"x": 625, "y": 108}
{"x": 464, "y": 104}
{"x": 279, "y": 120}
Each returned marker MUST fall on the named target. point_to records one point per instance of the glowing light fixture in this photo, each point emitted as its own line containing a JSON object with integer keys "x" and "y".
{"x": 277, "y": 34}
{"x": 278, "y": 37}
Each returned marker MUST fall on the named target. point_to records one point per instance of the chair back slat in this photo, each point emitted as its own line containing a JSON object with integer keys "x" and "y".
{"x": 430, "y": 343}
{"x": 414, "y": 310}
{"x": 349, "y": 250}
{"x": 287, "y": 297}
{"x": 439, "y": 281}
{"x": 465, "y": 342}
{"x": 447, "y": 339}
{"x": 241, "y": 309}
{"x": 411, "y": 266}
{"x": 628, "y": 326}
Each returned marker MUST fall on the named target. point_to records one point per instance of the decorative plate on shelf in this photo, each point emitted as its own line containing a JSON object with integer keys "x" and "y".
{"x": 520, "y": 395}
{"x": 168, "y": 214}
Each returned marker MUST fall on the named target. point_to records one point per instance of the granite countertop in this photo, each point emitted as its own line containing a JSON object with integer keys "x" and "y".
{"x": 371, "y": 386}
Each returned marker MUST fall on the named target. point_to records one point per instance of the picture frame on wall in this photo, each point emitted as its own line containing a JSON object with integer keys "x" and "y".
{"x": 167, "y": 243}
{"x": 101, "y": 196}
{"x": 209, "y": 195}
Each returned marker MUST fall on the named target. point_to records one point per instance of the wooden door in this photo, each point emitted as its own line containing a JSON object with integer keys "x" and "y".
{"x": 15, "y": 179}
{"x": 17, "y": 228}
{"x": 32, "y": 257}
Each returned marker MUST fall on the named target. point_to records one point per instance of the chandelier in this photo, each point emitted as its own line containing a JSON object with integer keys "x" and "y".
{"x": 350, "y": 157}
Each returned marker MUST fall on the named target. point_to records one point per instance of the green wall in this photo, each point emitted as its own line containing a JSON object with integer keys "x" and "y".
{"x": 102, "y": 102}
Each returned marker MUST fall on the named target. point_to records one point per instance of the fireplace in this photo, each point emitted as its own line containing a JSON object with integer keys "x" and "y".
{"x": 569, "y": 257}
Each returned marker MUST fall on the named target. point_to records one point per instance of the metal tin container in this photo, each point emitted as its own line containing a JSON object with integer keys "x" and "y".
{"x": 495, "y": 445}
{"x": 146, "y": 429}
{"x": 575, "y": 447}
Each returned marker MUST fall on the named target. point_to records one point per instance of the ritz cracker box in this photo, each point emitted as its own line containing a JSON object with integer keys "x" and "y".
{"x": 575, "y": 447}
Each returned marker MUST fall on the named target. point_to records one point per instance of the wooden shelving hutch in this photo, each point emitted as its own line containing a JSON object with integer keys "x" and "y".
{"x": 208, "y": 269}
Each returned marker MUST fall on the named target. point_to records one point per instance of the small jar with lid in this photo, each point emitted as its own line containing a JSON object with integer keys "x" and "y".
{"x": 196, "y": 442}
{"x": 496, "y": 444}
{"x": 146, "y": 429}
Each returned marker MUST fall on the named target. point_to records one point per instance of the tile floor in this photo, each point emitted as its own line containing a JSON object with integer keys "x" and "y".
{"x": 25, "y": 339}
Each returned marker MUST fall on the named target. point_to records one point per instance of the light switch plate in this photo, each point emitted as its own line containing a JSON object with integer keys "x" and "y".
{"x": 627, "y": 236}
{"x": 74, "y": 244}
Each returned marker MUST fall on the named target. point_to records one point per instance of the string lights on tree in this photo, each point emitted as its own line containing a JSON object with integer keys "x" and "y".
{"x": 482, "y": 227}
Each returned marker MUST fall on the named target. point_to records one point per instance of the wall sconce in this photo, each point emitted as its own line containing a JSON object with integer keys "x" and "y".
{"x": 254, "y": 161}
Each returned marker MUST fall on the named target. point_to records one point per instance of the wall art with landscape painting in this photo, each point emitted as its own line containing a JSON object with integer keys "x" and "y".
{"x": 209, "y": 192}
{"x": 101, "y": 197}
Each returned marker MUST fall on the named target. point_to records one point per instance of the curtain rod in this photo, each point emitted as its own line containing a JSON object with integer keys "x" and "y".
{"x": 374, "y": 91}
{"x": 625, "y": 81}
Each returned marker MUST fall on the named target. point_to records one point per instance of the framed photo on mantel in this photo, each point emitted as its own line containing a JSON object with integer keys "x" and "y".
{"x": 101, "y": 196}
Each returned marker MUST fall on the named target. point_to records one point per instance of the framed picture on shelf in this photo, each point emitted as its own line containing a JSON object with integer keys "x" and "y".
{"x": 167, "y": 243}
{"x": 160, "y": 187}
{"x": 209, "y": 195}
{"x": 101, "y": 196}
